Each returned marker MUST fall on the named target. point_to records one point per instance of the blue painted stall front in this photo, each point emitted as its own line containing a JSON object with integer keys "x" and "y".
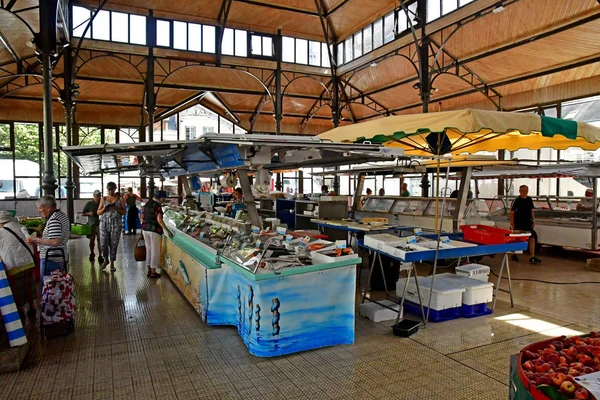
{"x": 300, "y": 309}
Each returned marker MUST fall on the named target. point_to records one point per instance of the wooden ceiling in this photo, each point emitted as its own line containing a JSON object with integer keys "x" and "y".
{"x": 534, "y": 52}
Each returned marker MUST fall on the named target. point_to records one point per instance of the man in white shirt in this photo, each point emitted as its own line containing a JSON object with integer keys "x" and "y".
{"x": 586, "y": 204}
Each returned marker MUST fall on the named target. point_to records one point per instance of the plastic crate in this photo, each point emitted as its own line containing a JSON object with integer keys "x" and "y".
{"x": 483, "y": 234}
{"x": 378, "y": 313}
{"x": 476, "y": 291}
{"x": 79, "y": 229}
{"x": 476, "y": 310}
{"x": 474, "y": 271}
{"x": 434, "y": 315}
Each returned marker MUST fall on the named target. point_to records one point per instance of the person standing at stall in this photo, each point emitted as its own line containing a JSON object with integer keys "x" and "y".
{"x": 381, "y": 192}
{"x": 153, "y": 228}
{"x": 111, "y": 210}
{"x": 586, "y": 204}
{"x": 90, "y": 210}
{"x": 404, "y": 190}
{"x": 236, "y": 197}
{"x": 132, "y": 211}
{"x": 53, "y": 243}
{"x": 18, "y": 262}
{"x": 522, "y": 218}
{"x": 364, "y": 198}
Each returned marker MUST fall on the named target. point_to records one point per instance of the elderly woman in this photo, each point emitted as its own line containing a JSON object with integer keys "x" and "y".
{"x": 18, "y": 262}
{"x": 53, "y": 243}
{"x": 111, "y": 210}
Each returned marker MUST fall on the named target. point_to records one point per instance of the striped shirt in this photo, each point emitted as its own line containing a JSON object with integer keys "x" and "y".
{"x": 57, "y": 227}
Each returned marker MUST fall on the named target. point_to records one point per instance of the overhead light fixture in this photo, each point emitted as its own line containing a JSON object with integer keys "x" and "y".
{"x": 374, "y": 63}
{"x": 75, "y": 93}
{"x": 499, "y": 8}
{"x": 31, "y": 43}
{"x": 417, "y": 86}
{"x": 434, "y": 89}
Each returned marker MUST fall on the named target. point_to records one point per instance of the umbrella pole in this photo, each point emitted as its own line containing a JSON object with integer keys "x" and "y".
{"x": 437, "y": 249}
{"x": 437, "y": 196}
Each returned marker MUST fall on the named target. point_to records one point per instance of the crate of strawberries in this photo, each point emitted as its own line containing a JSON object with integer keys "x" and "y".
{"x": 552, "y": 369}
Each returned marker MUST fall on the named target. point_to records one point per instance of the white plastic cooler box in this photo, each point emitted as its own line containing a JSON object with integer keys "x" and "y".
{"x": 476, "y": 295}
{"x": 446, "y": 298}
{"x": 474, "y": 271}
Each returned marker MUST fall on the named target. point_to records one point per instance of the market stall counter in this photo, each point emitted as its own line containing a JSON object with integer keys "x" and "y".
{"x": 284, "y": 291}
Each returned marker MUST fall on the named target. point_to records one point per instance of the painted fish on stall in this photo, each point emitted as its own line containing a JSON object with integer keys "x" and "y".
{"x": 300, "y": 314}
{"x": 184, "y": 273}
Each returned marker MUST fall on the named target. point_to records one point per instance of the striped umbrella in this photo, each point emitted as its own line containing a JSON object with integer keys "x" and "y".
{"x": 10, "y": 314}
{"x": 469, "y": 131}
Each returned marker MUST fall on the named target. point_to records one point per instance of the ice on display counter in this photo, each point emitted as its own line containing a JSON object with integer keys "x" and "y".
{"x": 284, "y": 291}
{"x": 402, "y": 247}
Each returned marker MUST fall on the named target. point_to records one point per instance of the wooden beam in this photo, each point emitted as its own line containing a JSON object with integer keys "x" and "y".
{"x": 279, "y": 7}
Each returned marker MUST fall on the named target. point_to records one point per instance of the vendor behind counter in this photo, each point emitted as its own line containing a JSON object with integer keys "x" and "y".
{"x": 236, "y": 198}
{"x": 586, "y": 204}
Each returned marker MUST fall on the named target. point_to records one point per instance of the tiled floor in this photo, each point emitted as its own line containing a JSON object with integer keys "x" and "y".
{"x": 139, "y": 339}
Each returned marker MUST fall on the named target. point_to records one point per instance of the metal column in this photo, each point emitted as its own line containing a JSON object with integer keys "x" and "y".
{"x": 335, "y": 100}
{"x": 424, "y": 57}
{"x": 249, "y": 198}
{"x": 463, "y": 194}
{"x": 278, "y": 93}
{"x": 46, "y": 42}
{"x": 150, "y": 98}
{"x": 69, "y": 106}
{"x": 360, "y": 182}
{"x": 595, "y": 215}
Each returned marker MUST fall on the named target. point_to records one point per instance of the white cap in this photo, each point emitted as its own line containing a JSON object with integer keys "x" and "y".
{"x": 5, "y": 217}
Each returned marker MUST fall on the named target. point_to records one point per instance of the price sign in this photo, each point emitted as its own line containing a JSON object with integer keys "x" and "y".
{"x": 258, "y": 243}
{"x": 445, "y": 239}
{"x": 288, "y": 238}
{"x": 281, "y": 230}
{"x": 418, "y": 232}
{"x": 411, "y": 239}
{"x": 305, "y": 240}
{"x": 255, "y": 229}
{"x": 340, "y": 244}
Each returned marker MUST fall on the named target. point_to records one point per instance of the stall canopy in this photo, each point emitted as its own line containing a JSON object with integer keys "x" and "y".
{"x": 469, "y": 131}
{"x": 213, "y": 152}
{"x": 542, "y": 171}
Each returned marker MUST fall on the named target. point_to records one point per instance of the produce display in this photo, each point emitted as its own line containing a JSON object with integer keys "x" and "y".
{"x": 556, "y": 368}
{"x": 256, "y": 249}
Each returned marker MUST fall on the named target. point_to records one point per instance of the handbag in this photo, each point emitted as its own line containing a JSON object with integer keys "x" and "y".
{"x": 139, "y": 252}
{"x": 24, "y": 245}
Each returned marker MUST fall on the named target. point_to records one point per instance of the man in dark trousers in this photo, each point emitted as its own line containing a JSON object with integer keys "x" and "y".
{"x": 522, "y": 218}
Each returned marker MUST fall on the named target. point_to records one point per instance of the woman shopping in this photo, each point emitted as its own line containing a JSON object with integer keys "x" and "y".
{"x": 153, "y": 228}
{"x": 18, "y": 262}
{"x": 111, "y": 210}
{"x": 131, "y": 200}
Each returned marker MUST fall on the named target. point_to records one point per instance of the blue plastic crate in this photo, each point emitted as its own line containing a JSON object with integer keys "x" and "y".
{"x": 475, "y": 310}
{"x": 434, "y": 315}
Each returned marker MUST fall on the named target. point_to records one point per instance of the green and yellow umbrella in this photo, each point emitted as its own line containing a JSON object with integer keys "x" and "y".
{"x": 469, "y": 131}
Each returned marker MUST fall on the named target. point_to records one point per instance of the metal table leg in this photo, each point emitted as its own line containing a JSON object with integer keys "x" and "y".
{"x": 419, "y": 295}
{"x": 370, "y": 274}
{"x": 510, "y": 292}
{"x": 408, "y": 273}
{"x": 497, "y": 288}
{"x": 387, "y": 293}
